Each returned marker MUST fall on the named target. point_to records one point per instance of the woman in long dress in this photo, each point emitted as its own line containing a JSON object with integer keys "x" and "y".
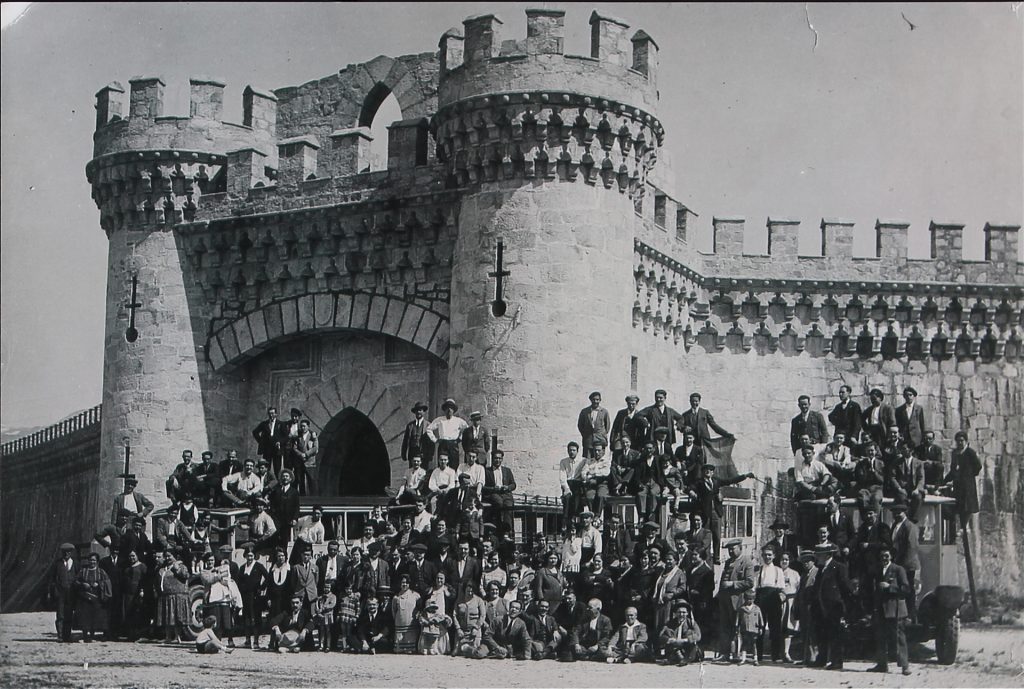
{"x": 132, "y": 596}
{"x": 403, "y": 609}
{"x": 252, "y": 576}
{"x": 172, "y": 612}
{"x": 93, "y": 591}
{"x": 549, "y": 583}
{"x": 280, "y": 583}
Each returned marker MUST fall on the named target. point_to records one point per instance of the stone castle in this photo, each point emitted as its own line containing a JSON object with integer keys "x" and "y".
{"x": 270, "y": 266}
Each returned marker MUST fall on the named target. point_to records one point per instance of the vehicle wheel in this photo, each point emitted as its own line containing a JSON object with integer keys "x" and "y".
{"x": 947, "y": 640}
{"x": 195, "y": 612}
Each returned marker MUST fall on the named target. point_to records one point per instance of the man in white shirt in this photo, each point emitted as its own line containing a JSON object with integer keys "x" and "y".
{"x": 413, "y": 485}
{"x": 813, "y": 479}
{"x": 422, "y": 519}
{"x": 568, "y": 480}
{"x": 309, "y": 530}
{"x": 446, "y": 432}
{"x": 442, "y": 479}
{"x": 262, "y": 528}
{"x": 239, "y": 488}
{"x": 594, "y": 474}
{"x": 768, "y": 591}
{"x": 477, "y": 473}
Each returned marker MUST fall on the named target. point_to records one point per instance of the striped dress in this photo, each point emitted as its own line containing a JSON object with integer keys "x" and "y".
{"x": 403, "y": 609}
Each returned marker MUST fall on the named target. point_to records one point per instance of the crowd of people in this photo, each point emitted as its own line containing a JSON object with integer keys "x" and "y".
{"x": 440, "y": 570}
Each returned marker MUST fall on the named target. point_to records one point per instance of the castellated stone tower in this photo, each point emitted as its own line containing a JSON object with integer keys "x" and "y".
{"x": 273, "y": 265}
{"x": 550, "y": 152}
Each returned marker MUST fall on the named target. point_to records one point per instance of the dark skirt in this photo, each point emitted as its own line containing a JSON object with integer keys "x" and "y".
{"x": 222, "y": 613}
{"x": 172, "y": 609}
{"x": 91, "y": 614}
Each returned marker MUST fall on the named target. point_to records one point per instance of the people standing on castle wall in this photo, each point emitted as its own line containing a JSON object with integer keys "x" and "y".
{"x": 910, "y": 418}
{"x": 701, "y": 422}
{"x": 303, "y": 450}
{"x": 630, "y": 422}
{"x": 414, "y": 440}
{"x": 846, "y": 417}
{"x": 660, "y": 415}
{"x": 130, "y": 502}
{"x": 445, "y": 432}
{"x": 267, "y": 435}
{"x": 808, "y": 422}
{"x": 964, "y": 467}
{"x": 594, "y": 423}
{"x": 61, "y": 590}
{"x": 878, "y": 417}
{"x": 477, "y": 439}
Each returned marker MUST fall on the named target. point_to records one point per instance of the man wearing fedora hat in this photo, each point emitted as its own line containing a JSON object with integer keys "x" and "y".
{"x": 832, "y": 592}
{"x": 679, "y": 639}
{"x": 477, "y": 439}
{"x": 737, "y": 578}
{"x": 130, "y": 502}
{"x": 415, "y": 440}
{"x": 445, "y": 432}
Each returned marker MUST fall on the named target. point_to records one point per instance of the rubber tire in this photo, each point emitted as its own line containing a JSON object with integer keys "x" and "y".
{"x": 196, "y": 595}
{"x": 947, "y": 640}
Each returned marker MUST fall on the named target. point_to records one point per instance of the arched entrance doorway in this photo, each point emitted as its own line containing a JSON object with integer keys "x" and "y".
{"x": 354, "y": 457}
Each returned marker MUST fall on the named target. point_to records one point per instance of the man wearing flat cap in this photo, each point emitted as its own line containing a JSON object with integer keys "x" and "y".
{"x": 594, "y": 423}
{"x": 738, "y": 575}
{"x": 679, "y": 639}
{"x": 445, "y": 432}
{"x": 415, "y": 440}
{"x": 131, "y": 503}
{"x": 630, "y": 421}
{"x": 477, "y": 439}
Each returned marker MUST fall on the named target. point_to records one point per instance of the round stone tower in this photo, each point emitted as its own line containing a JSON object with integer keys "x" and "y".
{"x": 551, "y": 152}
{"x": 148, "y": 173}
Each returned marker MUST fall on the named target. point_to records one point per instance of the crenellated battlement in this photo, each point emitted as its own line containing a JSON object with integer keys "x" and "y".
{"x": 479, "y": 61}
{"x": 142, "y": 125}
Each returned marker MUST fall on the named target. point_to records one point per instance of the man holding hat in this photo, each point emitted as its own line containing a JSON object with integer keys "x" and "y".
{"x": 737, "y": 578}
{"x": 477, "y": 439}
{"x": 130, "y": 503}
{"x": 630, "y": 422}
{"x": 593, "y": 423}
{"x": 707, "y": 497}
{"x": 415, "y": 440}
{"x": 445, "y": 432}
{"x": 290, "y": 628}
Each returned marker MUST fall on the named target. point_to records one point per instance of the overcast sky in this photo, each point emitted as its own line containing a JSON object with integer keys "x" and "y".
{"x": 879, "y": 120}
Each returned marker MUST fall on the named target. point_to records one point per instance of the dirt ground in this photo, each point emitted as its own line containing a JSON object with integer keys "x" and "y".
{"x": 30, "y": 657}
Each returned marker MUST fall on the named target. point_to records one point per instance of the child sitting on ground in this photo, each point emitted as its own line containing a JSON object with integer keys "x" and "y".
{"x": 207, "y": 641}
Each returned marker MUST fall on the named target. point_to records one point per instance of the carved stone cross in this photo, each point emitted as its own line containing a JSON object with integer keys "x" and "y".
{"x": 498, "y": 306}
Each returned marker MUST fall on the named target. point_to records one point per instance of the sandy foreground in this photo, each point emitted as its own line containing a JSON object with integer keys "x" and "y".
{"x": 30, "y": 657}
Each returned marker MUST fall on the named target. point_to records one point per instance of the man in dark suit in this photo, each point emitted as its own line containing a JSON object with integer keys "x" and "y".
{"x": 707, "y": 497}
{"x": 964, "y": 467}
{"x": 661, "y": 415}
{"x": 738, "y": 576}
{"x": 594, "y": 423}
{"x": 630, "y": 421}
{"x": 513, "y": 636}
{"x": 462, "y": 568}
{"x": 699, "y": 420}
{"x": 690, "y": 457}
{"x": 421, "y": 571}
{"x": 905, "y": 552}
{"x": 698, "y": 537}
{"x": 330, "y": 569}
{"x": 931, "y": 454}
{"x": 840, "y": 528}
{"x": 267, "y": 435}
{"x": 784, "y": 542}
{"x": 904, "y": 480}
{"x": 180, "y": 480}
{"x": 832, "y": 591}
{"x": 845, "y": 417}
{"x": 877, "y": 418}
{"x": 414, "y": 440}
{"x": 807, "y": 422}
{"x": 593, "y": 634}
{"x": 459, "y": 502}
{"x": 617, "y": 544}
{"x": 61, "y": 585}
{"x": 890, "y": 612}
{"x": 476, "y": 439}
{"x": 872, "y": 536}
{"x": 910, "y": 418}
{"x": 499, "y": 484}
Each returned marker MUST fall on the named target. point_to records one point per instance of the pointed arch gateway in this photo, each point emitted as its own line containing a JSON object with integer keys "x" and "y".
{"x": 353, "y": 456}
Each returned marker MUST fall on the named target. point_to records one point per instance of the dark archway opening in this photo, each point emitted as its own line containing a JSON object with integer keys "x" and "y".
{"x": 354, "y": 458}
